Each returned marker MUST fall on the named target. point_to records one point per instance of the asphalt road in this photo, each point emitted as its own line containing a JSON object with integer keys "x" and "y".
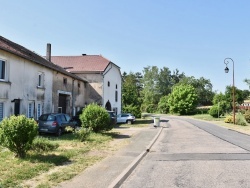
{"x": 191, "y": 153}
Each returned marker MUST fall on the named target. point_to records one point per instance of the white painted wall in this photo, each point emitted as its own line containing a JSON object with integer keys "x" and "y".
{"x": 112, "y": 75}
{"x": 22, "y": 82}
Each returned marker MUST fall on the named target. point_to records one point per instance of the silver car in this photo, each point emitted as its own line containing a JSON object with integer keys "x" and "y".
{"x": 125, "y": 118}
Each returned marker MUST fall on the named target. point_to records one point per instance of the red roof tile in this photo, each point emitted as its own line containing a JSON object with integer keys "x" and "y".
{"x": 84, "y": 63}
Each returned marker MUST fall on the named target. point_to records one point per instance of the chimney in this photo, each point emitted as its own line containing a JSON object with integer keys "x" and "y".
{"x": 48, "y": 54}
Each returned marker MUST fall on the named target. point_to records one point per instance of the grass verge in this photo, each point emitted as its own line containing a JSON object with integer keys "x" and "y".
{"x": 220, "y": 122}
{"x": 48, "y": 169}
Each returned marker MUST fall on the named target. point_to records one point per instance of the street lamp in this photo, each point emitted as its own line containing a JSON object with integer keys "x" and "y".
{"x": 226, "y": 71}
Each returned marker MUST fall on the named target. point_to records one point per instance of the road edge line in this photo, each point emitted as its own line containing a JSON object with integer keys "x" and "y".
{"x": 123, "y": 176}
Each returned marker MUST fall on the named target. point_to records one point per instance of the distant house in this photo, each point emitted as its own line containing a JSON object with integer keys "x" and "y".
{"x": 245, "y": 105}
{"x": 32, "y": 85}
{"x": 103, "y": 76}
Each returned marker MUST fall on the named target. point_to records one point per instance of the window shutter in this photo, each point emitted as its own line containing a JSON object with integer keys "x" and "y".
{"x": 1, "y": 111}
{"x": 2, "y": 69}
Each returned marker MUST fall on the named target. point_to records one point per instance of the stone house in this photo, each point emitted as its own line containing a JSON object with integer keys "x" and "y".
{"x": 103, "y": 76}
{"x": 32, "y": 85}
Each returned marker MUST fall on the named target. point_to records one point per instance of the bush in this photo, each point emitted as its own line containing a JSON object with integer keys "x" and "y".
{"x": 17, "y": 134}
{"x": 247, "y": 116}
{"x": 228, "y": 119}
{"x": 240, "y": 120}
{"x": 214, "y": 111}
{"x": 83, "y": 133}
{"x": 96, "y": 118}
{"x": 135, "y": 110}
{"x": 41, "y": 144}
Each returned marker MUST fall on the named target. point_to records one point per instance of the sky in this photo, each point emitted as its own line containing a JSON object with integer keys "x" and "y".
{"x": 193, "y": 36}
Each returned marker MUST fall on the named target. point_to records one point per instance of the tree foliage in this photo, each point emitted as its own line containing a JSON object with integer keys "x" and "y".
{"x": 151, "y": 94}
{"x": 163, "y": 106}
{"x": 239, "y": 97}
{"x": 183, "y": 99}
{"x": 222, "y": 102}
{"x": 203, "y": 88}
{"x": 96, "y": 118}
{"x": 156, "y": 84}
{"x": 131, "y": 93}
{"x": 17, "y": 134}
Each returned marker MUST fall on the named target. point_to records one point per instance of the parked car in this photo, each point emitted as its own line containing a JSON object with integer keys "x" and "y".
{"x": 77, "y": 117}
{"x": 125, "y": 118}
{"x": 55, "y": 123}
{"x": 112, "y": 117}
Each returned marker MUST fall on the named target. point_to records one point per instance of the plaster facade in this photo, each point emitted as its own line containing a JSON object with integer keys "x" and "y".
{"x": 20, "y": 91}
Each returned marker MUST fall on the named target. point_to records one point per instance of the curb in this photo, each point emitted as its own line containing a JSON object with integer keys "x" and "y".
{"x": 123, "y": 176}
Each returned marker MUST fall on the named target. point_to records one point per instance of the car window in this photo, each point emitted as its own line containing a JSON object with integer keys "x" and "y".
{"x": 47, "y": 117}
{"x": 67, "y": 117}
{"x": 62, "y": 117}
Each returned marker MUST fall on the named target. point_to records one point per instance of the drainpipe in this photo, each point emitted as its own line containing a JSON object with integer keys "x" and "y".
{"x": 73, "y": 98}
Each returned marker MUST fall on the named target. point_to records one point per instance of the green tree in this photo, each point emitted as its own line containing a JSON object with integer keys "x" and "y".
{"x": 203, "y": 88}
{"x": 164, "y": 83}
{"x": 220, "y": 100}
{"x": 151, "y": 93}
{"x": 131, "y": 88}
{"x": 183, "y": 99}
{"x": 163, "y": 106}
{"x": 176, "y": 77}
{"x": 247, "y": 81}
{"x": 239, "y": 97}
{"x": 131, "y": 93}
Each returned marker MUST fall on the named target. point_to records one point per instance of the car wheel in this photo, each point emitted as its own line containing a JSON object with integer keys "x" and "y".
{"x": 129, "y": 122}
{"x": 59, "y": 132}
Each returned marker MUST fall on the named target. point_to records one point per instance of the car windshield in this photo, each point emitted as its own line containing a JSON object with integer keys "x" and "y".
{"x": 111, "y": 114}
{"x": 47, "y": 117}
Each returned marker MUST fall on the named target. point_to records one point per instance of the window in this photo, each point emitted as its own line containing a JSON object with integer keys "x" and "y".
{"x": 39, "y": 110}
{"x": 79, "y": 84}
{"x": 31, "y": 110}
{"x": 116, "y": 86}
{"x": 40, "y": 79}
{"x": 2, "y": 69}
{"x": 1, "y": 111}
{"x": 108, "y": 83}
{"x": 65, "y": 80}
{"x": 116, "y": 96}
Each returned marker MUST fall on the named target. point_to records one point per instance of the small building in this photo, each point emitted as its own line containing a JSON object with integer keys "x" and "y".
{"x": 103, "y": 76}
{"x": 32, "y": 85}
{"x": 245, "y": 105}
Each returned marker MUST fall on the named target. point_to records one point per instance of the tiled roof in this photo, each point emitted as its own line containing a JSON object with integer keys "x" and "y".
{"x": 23, "y": 52}
{"x": 83, "y": 63}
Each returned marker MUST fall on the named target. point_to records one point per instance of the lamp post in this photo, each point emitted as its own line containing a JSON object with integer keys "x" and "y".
{"x": 226, "y": 71}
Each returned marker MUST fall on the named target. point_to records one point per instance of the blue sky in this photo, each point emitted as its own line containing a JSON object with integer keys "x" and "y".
{"x": 193, "y": 36}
